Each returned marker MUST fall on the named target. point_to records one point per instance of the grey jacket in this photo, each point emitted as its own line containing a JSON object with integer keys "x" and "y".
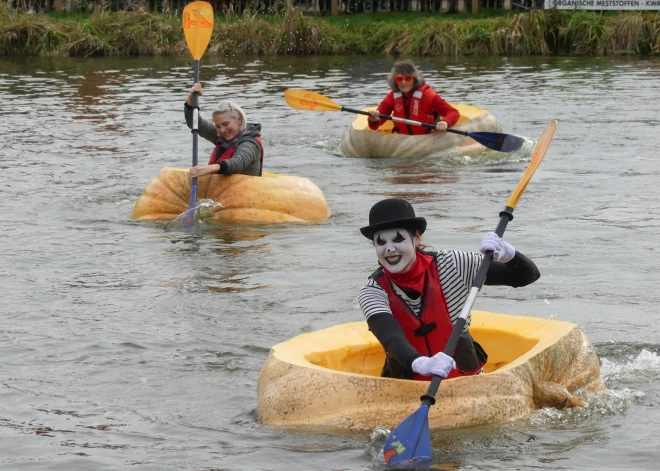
{"x": 247, "y": 156}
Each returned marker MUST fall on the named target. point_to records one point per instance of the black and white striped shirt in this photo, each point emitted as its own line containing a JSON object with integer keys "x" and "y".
{"x": 456, "y": 270}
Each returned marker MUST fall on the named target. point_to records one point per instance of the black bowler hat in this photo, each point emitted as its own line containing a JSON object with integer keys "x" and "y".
{"x": 392, "y": 212}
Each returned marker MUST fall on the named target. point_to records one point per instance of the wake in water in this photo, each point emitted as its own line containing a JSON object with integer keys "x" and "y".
{"x": 479, "y": 155}
{"x": 550, "y": 432}
{"x": 191, "y": 219}
{"x": 625, "y": 382}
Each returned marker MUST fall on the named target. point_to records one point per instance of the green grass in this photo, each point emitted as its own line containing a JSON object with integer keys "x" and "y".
{"x": 141, "y": 32}
{"x": 64, "y": 16}
{"x": 397, "y": 18}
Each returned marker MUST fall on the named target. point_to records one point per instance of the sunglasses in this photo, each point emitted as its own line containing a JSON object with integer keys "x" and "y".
{"x": 403, "y": 78}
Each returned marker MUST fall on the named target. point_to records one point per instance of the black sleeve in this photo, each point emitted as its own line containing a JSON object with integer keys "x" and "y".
{"x": 390, "y": 334}
{"x": 517, "y": 272}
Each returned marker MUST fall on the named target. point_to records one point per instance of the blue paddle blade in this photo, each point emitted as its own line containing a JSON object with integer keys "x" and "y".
{"x": 409, "y": 444}
{"x": 498, "y": 141}
{"x": 190, "y": 218}
{"x": 185, "y": 221}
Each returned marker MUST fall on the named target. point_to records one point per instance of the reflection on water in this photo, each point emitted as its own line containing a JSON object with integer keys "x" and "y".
{"x": 421, "y": 179}
{"x": 404, "y": 180}
{"x": 230, "y": 244}
{"x": 95, "y": 98}
{"x": 232, "y": 280}
{"x": 231, "y": 235}
{"x": 415, "y": 197}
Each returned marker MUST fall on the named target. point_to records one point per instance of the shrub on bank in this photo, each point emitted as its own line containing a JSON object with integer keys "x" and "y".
{"x": 105, "y": 33}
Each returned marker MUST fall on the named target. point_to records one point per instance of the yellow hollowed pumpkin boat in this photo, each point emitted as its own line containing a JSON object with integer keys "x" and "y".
{"x": 361, "y": 141}
{"x": 331, "y": 378}
{"x": 271, "y": 198}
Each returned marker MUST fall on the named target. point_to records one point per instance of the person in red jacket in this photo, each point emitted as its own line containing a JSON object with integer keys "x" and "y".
{"x": 412, "y": 98}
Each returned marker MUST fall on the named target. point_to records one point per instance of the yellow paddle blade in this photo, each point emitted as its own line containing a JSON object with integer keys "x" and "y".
{"x": 539, "y": 152}
{"x": 306, "y": 100}
{"x": 198, "y": 27}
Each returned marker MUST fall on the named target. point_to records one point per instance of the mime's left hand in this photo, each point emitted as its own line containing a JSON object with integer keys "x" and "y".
{"x": 502, "y": 251}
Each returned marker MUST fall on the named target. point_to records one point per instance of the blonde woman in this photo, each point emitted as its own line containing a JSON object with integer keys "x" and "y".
{"x": 238, "y": 146}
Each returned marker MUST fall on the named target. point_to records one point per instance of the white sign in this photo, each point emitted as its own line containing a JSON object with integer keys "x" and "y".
{"x": 603, "y": 4}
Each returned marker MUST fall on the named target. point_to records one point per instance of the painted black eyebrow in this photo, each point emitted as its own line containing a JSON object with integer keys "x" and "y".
{"x": 399, "y": 237}
{"x": 379, "y": 241}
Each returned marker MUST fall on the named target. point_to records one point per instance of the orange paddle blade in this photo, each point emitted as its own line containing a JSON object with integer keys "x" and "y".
{"x": 198, "y": 27}
{"x": 306, "y": 100}
{"x": 539, "y": 152}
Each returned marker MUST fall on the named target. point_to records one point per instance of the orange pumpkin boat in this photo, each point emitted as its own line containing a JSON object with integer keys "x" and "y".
{"x": 271, "y": 198}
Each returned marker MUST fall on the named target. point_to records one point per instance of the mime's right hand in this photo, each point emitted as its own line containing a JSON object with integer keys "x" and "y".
{"x": 439, "y": 364}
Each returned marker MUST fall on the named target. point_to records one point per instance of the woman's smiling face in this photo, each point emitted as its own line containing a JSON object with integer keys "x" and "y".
{"x": 227, "y": 126}
{"x": 395, "y": 249}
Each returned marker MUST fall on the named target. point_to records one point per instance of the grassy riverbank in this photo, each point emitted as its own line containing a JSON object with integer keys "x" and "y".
{"x": 105, "y": 33}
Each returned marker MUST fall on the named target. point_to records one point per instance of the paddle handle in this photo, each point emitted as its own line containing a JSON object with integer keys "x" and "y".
{"x": 195, "y": 128}
{"x": 402, "y": 120}
{"x": 505, "y": 216}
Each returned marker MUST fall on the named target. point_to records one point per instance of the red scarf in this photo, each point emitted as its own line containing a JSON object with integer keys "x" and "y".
{"x": 415, "y": 277}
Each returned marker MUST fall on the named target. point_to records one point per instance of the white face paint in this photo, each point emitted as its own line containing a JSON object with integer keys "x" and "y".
{"x": 395, "y": 249}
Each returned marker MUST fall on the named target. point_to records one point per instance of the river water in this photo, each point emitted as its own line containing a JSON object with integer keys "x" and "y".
{"x": 126, "y": 347}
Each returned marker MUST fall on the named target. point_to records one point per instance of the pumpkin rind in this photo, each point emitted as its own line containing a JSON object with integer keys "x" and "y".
{"x": 271, "y": 198}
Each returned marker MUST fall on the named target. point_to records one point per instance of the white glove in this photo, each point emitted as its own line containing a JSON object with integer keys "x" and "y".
{"x": 502, "y": 251}
{"x": 439, "y": 364}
